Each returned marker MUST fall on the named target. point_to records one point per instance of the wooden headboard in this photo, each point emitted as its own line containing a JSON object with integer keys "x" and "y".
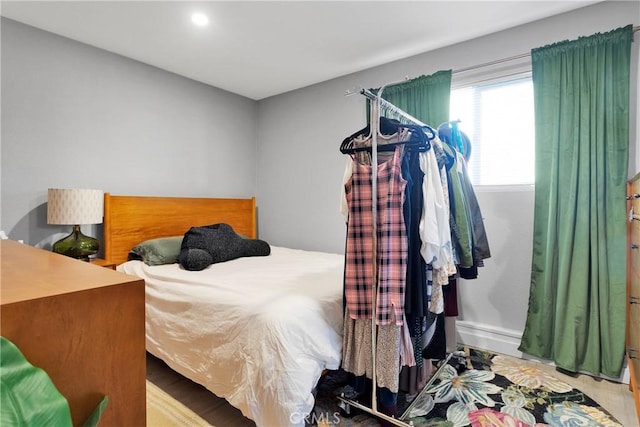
{"x": 129, "y": 220}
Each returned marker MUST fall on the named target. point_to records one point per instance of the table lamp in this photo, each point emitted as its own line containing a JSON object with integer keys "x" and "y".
{"x": 75, "y": 207}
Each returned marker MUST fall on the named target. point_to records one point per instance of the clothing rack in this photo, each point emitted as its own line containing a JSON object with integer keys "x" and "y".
{"x": 388, "y": 106}
{"x": 376, "y": 103}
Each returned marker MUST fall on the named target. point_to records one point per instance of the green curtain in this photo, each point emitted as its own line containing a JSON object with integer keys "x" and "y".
{"x": 426, "y": 98}
{"x": 576, "y": 314}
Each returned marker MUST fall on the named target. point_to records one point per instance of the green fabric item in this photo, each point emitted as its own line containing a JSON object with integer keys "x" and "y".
{"x": 460, "y": 215}
{"x": 426, "y": 98}
{"x": 28, "y": 397}
{"x": 164, "y": 250}
{"x": 576, "y": 314}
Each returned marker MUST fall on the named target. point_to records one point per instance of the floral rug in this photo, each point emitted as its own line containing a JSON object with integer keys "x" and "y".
{"x": 494, "y": 391}
{"x": 482, "y": 389}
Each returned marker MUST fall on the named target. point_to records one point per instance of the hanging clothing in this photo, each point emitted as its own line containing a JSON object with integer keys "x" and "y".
{"x": 357, "y": 347}
{"x": 434, "y": 222}
{"x": 481, "y": 249}
{"x": 391, "y": 245}
{"x": 424, "y": 236}
{"x": 449, "y": 269}
{"x": 459, "y": 220}
{"x": 416, "y": 299}
{"x": 413, "y": 379}
{"x": 393, "y": 351}
{"x": 451, "y": 298}
{"x": 360, "y": 140}
{"x": 436, "y": 347}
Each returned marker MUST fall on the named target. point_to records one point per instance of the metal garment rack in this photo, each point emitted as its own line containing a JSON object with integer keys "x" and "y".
{"x": 376, "y": 103}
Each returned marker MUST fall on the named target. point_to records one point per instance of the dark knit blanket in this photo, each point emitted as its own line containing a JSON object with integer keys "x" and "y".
{"x": 210, "y": 244}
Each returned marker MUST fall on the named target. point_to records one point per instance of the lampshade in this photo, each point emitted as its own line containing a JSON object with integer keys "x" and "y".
{"x": 74, "y": 206}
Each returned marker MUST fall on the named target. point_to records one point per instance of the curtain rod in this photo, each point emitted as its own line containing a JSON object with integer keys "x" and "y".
{"x": 487, "y": 64}
{"x": 511, "y": 58}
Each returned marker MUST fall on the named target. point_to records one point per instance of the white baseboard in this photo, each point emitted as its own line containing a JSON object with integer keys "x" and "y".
{"x": 505, "y": 341}
{"x": 500, "y": 340}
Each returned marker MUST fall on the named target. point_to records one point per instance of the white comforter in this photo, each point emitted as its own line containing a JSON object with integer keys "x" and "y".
{"x": 257, "y": 331}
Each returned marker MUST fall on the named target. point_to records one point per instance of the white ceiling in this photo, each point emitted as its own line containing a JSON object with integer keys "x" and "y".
{"x": 262, "y": 48}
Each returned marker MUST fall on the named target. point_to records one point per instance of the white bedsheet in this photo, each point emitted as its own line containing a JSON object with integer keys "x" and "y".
{"x": 257, "y": 331}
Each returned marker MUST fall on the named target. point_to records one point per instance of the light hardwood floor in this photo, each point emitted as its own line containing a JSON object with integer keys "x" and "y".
{"x": 615, "y": 397}
{"x": 213, "y": 409}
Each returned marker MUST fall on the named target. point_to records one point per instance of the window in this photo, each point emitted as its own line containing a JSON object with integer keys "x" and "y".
{"x": 498, "y": 118}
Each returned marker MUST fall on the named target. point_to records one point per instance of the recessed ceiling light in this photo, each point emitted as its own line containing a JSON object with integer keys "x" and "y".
{"x": 200, "y": 19}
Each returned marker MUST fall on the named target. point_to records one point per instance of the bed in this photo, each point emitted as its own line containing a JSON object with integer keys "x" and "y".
{"x": 258, "y": 331}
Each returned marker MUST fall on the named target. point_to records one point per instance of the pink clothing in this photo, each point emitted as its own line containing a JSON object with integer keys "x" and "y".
{"x": 391, "y": 254}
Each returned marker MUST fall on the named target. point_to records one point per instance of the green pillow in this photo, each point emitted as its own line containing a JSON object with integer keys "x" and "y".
{"x": 164, "y": 250}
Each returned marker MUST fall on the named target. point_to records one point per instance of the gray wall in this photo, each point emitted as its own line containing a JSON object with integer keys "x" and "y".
{"x": 74, "y": 116}
{"x": 300, "y": 167}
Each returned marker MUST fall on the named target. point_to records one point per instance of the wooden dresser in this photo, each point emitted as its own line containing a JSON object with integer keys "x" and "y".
{"x": 83, "y": 324}
{"x": 633, "y": 287}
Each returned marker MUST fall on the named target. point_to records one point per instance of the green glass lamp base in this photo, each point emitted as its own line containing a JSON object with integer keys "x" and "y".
{"x": 77, "y": 245}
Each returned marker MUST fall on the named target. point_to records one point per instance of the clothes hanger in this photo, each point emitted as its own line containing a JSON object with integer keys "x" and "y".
{"x": 420, "y": 137}
{"x": 387, "y": 127}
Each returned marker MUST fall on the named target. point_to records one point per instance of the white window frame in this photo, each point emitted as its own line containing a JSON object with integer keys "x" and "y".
{"x": 517, "y": 67}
